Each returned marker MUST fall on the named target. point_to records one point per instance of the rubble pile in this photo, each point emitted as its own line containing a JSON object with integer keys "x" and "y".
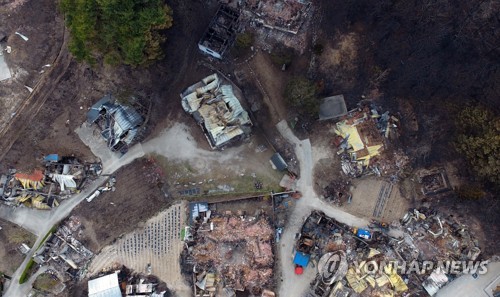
{"x": 232, "y": 252}
{"x": 64, "y": 253}
{"x": 123, "y": 281}
{"x": 284, "y": 21}
{"x": 435, "y": 236}
{"x": 338, "y": 192}
{"x": 45, "y": 188}
{"x": 405, "y": 259}
{"x": 286, "y": 16}
{"x": 364, "y": 133}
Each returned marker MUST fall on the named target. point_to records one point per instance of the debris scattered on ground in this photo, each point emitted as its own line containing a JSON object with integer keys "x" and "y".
{"x": 285, "y": 16}
{"x": 49, "y": 282}
{"x": 408, "y": 256}
{"x": 364, "y": 134}
{"x": 230, "y": 252}
{"x": 45, "y": 188}
{"x": 110, "y": 186}
{"x": 64, "y": 253}
{"x": 338, "y": 191}
{"x": 25, "y": 38}
{"x": 126, "y": 282}
{"x": 283, "y": 203}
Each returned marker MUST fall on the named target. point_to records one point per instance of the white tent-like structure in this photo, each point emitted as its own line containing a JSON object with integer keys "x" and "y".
{"x": 105, "y": 286}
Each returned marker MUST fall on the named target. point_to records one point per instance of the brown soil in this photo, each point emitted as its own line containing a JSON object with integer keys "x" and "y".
{"x": 11, "y": 237}
{"x": 70, "y": 88}
{"x": 35, "y": 20}
{"x": 137, "y": 198}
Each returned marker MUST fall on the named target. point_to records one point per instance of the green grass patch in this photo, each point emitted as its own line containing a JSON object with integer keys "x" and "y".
{"x": 52, "y": 230}
{"x": 27, "y": 271}
{"x": 45, "y": 282}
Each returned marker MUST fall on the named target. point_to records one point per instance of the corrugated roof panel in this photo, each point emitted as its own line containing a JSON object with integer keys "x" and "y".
{"x": 105, "y": 286}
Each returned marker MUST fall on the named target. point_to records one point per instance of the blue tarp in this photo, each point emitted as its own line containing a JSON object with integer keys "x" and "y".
{"x": 301, "y": 259}
{"x": 362, "y": 233}
{"x": 51, "y": 158}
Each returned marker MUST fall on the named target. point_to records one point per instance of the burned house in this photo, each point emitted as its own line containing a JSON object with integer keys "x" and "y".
{"x": 217, "y": 110}
{"x": 44, "y": 188}
{"x": 221, "y": 32}
{"x": 64, "y": 252}
{"x": 362, "y": 138}
{"x": 119, "y": 123}
{"x": 282, "y": 15}
{"x": 228, "y": 254}
{"x": 336, "y": 247}
{"x": 434, "y": 181}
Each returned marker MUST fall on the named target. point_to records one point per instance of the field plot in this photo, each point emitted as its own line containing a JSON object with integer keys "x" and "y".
{"x": 11, "y": 238}
{"x": 137, "y": 198}
{"x": 155, "y": 249}
{"x": 378, "y": 199}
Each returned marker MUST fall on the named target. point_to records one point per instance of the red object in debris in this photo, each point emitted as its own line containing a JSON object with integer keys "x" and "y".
{"x": 36, "y": 175}
{"x": 299, "y": 270}
{"x": 337, "y": 140}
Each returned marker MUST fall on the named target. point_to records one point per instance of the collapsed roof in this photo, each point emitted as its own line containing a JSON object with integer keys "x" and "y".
{"x": 43, "y": 189}
{"x": 220, "y": 33}
{"x": 119, "y": 123}
{"x": 363, "y": 138}
{"x": 217, "y": 110}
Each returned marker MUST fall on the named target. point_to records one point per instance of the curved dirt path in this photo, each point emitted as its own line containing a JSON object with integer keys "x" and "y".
{"x": 292, "y": 284}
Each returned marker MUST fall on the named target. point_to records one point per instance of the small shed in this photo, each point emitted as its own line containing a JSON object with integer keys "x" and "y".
{"x": 278, "y": 162}
{"x": 332, "y": 108}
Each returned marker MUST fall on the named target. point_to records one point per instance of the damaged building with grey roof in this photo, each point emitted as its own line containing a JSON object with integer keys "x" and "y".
{"x": 119, "y": 123}
{"x": 217, "y": 110}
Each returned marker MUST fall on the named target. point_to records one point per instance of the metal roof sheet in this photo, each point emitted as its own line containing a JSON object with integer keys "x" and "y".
{"x": 279, "y": 162}
{"x": 105, "y": 286}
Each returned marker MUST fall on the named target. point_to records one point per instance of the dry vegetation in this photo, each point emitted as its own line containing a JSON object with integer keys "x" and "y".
{"x": 137, "y": 198}
{"x": 11, "y": 237}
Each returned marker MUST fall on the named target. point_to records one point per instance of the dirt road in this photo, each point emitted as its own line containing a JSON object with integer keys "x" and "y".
{"x": 40, "y": 222}
{"x": 292, "y": 284}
